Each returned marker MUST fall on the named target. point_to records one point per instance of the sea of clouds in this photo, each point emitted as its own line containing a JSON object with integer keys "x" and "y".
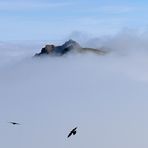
{"x": 105, "y": 96}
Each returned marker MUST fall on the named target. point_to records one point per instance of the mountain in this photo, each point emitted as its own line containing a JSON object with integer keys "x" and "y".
{"x": 68, "y": 46}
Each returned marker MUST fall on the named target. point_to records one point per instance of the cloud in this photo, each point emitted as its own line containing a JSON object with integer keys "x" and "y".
{"x": 105, "y": 96}
{"x": 53, "y": 95}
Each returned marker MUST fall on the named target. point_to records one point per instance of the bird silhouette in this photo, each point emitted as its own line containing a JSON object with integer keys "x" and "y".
{"x": 72, "y": 132}
{"x": 14, "y": 123}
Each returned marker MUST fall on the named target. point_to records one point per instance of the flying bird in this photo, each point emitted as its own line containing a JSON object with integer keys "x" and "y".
{"x": 72, "y": 132}
{"x": 14, "y": 123}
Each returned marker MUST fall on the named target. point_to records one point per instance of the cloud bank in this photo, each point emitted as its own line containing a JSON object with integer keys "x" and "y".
{"x": 105, "y": 96}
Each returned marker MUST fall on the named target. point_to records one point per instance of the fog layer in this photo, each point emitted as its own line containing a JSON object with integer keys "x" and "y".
{"x": 105, "y": 96}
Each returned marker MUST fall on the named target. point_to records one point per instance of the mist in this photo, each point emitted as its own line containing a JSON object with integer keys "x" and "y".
{"x": 105, "y": 96}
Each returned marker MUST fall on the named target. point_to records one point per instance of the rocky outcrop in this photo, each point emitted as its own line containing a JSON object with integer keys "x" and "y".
{"x": 46, "y": 50}
{"x": 65, "y": 48}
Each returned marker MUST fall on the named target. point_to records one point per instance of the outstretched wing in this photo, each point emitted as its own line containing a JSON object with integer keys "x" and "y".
{"x": 69, "y": 134}
{"x": 14, "y": 123}
{"x": 74, "y": 129}
{"x": 17, "y": 123}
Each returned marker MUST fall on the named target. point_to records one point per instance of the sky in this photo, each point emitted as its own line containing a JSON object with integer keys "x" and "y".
{"x": 55, "y": 19}
{"x": 105, "y": 96}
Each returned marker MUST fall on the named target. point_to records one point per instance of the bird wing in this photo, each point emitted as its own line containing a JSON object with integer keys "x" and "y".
{"x": 74, "y": 129}
{"x": 69, "y": 134}
{"x": 18, "y": 123}
{"x": 14, "y": 123}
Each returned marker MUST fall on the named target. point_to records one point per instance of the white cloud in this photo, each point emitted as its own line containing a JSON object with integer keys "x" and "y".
{"x": 105, "y": 96}
{"x": 50, "y": 96}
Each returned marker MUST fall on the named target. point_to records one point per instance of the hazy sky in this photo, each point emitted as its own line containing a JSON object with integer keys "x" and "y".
{"x": 53, "y": 19}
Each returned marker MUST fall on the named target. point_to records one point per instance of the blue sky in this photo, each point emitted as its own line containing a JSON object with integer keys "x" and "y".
{"x": 53, "y": 19}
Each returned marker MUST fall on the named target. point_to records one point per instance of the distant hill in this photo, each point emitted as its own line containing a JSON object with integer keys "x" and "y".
{"x": 68, "y": 46}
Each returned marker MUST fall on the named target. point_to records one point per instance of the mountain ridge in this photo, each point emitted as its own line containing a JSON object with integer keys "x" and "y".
{"x": 68, "y": 46}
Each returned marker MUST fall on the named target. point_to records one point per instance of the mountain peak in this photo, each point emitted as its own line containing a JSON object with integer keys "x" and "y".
{"x": 65, "y": 48}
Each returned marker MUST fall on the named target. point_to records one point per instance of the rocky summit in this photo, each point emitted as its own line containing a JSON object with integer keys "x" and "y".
{"x": 68, "y": 46}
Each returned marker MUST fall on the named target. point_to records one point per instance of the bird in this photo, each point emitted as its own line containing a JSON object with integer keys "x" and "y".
{"x": 14, "y": 123}
{"x": 72, "y": 132}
